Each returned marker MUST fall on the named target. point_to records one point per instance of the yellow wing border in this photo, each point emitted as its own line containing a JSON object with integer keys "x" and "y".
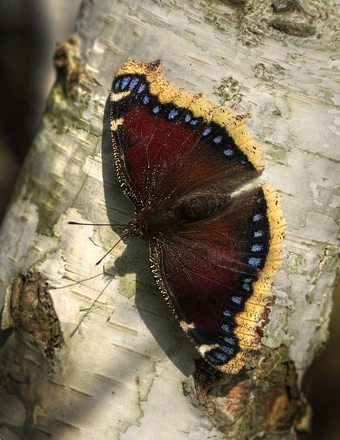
{"x": 197, "y": 104}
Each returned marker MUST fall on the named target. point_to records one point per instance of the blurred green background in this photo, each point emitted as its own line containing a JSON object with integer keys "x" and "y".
{"x": 29, "y": 31}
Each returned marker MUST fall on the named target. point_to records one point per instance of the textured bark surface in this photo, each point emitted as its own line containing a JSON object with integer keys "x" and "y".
{"x": 126, "y": 370}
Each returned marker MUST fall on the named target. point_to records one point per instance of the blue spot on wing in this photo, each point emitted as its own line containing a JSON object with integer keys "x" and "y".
{"x": 133, "y": 83}
{"x": 141, "y": 88}
{"x": 256, "y": 248}
{"x": 173, "y": 114}
{"x": 229, "y": 351}
{"x": 217, "y": 139}
{"x": 254, "y": 261}
{"x": 257, "y": 217}
{"x": 220, "y": 356}
{"x": 229, "y": 341}
{"x": 246, "y": 287}
{"x": 117, "y": 85}
{"x": 125, "y": 82}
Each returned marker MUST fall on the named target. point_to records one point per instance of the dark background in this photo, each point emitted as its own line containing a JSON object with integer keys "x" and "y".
{"x": 29, "y": 32}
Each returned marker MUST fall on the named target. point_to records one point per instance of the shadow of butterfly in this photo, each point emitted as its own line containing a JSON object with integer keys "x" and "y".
{"x": 214, "y": 251}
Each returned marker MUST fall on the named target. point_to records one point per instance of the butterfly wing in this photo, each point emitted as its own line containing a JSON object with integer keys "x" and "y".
{"x": 215, "y": 272}
{"x": 168, "y": 142}
{"x": 216, "y": 275}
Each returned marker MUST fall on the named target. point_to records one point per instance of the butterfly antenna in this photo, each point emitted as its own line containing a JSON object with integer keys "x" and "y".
{"x": 107, "y": 253}
{"x": 96, "y": 224}
{"x": 125, "y": 233}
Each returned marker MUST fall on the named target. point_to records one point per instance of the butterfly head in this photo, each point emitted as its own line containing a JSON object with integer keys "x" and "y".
{"x": 134, "y": 228}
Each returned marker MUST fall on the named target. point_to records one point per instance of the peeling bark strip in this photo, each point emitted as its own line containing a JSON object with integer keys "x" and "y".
{"x": 29, "y": 308}
{"x": 128, "y": 353}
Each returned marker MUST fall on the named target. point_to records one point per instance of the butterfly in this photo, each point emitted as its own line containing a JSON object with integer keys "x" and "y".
{"x": 214, "y": 247}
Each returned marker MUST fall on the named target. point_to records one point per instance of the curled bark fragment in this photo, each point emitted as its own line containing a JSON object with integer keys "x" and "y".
{"x": 29, "y": 308}
{"x": 263, "y": 399}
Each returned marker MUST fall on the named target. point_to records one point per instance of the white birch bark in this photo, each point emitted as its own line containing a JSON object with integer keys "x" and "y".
{"x": 125, "y": 362}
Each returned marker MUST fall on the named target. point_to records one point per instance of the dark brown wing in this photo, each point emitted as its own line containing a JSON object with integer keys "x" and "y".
{"x": 168, "y": 142}
{"x": 216, "y": 275}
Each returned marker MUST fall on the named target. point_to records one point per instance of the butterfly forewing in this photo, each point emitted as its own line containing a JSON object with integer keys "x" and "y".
{"x": 164, "y": 149}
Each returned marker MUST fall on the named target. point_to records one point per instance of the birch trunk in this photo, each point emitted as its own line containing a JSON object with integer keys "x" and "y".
{"x": 122, "y": 368}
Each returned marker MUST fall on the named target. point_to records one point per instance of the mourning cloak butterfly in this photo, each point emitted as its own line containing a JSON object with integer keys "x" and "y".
{"x": 213, "y": 253}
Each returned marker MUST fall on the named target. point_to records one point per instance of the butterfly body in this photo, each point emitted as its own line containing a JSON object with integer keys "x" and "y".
{"x": 169, "y": 218}
{"x": 214, "y": 250}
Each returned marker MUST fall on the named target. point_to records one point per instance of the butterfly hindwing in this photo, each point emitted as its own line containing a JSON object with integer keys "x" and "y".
{"x": 214, "y": 253}
{"x": 219, "y": 284}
